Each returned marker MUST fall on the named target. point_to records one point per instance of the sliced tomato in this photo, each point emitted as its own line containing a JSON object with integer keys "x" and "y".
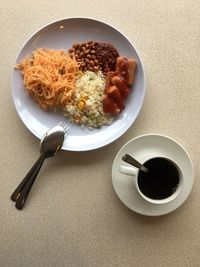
{"x": 109, "y": 77}
{"x": 122, "y": 66}
{"x": 115, "y": 94}
{"x": 121, "y": 84}
{"x": 109, "y": 106}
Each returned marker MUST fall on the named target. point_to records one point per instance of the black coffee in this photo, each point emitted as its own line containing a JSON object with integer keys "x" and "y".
{"x": 162, "y": 179}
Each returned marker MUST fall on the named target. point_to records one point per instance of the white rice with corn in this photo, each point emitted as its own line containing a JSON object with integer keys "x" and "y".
{"x": 85, "y": 107}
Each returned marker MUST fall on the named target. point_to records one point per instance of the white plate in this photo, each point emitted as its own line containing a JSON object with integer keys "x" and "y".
{"x": 61, "y": 35}
{"x": 142, "y": 148}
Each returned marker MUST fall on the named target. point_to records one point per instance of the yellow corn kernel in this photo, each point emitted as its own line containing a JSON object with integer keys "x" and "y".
{"x": 81, "y": 105}
{"x": 85, "y": 98}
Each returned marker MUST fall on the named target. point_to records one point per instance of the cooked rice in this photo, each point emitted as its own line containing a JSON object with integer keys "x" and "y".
{"x": 86, "y": 106}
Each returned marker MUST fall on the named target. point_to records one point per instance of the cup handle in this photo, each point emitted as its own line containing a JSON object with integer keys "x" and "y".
{"x": 128, "y": 170}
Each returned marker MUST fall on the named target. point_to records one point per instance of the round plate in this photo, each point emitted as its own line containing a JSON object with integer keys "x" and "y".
{"x": 61, "y": 35}
{"x": 142, "y": 148}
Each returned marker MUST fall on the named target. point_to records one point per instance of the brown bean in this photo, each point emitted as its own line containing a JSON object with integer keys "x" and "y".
{"x": 93, "y": 57}
{"x": 93, "y": 52}
{"x": 75, "y": 45}
{"x": 87, "y": 60}
{"x": 91, "y": 63}
{"x": 96, "y": 68}
{"x": 81, "y": 54}
{"x": 89, "y": 56}
{"x": 84, "y": 49}
{"x": 71, "y": 50}
{"x": 96, "y": 62}
{"x": 83, "y": 64}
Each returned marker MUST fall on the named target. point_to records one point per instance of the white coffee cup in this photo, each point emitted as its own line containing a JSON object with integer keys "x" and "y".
{"x": 136, "y": 173}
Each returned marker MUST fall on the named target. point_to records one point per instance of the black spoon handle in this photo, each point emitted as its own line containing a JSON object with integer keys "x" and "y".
{"x": 15, "y": 195}
{"x": 27, "y": 188}
{"x": 127, "y": 158}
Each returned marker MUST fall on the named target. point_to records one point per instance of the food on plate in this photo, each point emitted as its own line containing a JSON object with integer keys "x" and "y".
{"x": 95, "y": 56}
{"x": 49, "y": 77}
{"x": 132, "y": 67}
{"x": 107, "y": 56}
{"x": 88, "y": 83}
{"x": 118, "y": 85}
{"x": 86, "y": 107}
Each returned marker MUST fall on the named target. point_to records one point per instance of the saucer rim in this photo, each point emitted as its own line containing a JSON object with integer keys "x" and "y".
{"x": 173, "y": 207}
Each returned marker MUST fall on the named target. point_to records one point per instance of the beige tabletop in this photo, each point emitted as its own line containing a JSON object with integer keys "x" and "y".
{"x": 73, "y": 216}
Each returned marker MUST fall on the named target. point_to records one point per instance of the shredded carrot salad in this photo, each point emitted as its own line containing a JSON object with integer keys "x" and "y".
{"x": 49, "y": 77}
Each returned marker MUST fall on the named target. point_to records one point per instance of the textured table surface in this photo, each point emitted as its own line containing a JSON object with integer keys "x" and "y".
{"x": 73, "y": 216}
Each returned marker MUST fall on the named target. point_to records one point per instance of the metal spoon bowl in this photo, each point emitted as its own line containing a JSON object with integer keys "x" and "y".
{"x": 52, "y": 141}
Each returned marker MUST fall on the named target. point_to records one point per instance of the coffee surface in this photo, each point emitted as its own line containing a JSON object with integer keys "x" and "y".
{"x": 162, "y": 179}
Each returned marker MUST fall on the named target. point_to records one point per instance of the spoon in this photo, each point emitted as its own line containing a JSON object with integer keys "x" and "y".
{"x": 50, "y": 144}
{"x": 127, "y": 158}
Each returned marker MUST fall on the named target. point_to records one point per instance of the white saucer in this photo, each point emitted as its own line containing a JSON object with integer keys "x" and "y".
{"x": 142, "y": 148}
